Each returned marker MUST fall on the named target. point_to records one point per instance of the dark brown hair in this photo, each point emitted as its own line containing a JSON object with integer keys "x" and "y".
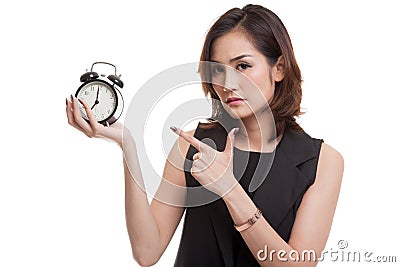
{"x": 269, "y": 36}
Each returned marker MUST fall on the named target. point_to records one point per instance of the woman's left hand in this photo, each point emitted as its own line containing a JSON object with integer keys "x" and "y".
{"x": 211, "y": 168}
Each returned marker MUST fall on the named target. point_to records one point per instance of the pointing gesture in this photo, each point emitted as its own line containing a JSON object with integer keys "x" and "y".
{"x": 211, "y": 168}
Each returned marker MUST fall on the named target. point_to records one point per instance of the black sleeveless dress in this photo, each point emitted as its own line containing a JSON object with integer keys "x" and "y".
{"x": 280, "y": 179}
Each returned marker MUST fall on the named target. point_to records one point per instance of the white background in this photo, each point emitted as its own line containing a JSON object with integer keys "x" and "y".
{"x": 62, "y": 194}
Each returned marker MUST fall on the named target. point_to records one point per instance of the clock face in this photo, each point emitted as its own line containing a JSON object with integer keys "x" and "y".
{"x": 100, "y": 97}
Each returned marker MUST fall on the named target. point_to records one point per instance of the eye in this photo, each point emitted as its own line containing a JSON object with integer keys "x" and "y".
{"x": 217, "y": 69}
{"x": 243, "y": 66}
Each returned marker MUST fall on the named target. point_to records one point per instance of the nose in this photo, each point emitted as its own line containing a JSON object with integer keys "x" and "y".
{"x": 231, "y": 80}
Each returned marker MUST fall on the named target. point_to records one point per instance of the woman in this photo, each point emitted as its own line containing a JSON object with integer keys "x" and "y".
{"x": 289, "y": 211}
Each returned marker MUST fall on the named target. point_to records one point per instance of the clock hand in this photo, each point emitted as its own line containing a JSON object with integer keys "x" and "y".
{"x": 97, "y": 98}
{"x": 95, "y": 103}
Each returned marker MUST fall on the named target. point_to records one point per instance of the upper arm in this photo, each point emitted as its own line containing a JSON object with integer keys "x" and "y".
{"x": 315, "y": 214}
{"x": 167, "y": 206}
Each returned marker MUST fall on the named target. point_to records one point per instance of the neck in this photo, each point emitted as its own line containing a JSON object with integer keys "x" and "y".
{"x": 258, "y": 132}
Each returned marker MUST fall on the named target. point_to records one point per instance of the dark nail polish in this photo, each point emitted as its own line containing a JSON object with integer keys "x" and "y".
{"x": 173, "y": 128}
{"x": 72, "y": 98}
{"x": 66, "y": 101}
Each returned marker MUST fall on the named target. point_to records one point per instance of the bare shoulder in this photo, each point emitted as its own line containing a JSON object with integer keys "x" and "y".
{"x": 330, "y": 165}
{"x": 315, "y": 214}
{"x": 181, "y": 148}
{"x": 331, "y": 156}
{"x": 169, "y": 201}
{"x": 173, "y": 175}
{"x": 183, "y": 144}
{"x": 173, "y": 170}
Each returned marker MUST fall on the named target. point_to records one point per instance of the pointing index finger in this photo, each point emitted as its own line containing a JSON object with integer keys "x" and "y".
{"x": 189, "y": 138}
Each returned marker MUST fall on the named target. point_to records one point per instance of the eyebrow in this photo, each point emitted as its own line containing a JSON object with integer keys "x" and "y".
{"x": 235, "y": 58}
{"x": 239, "y": 58}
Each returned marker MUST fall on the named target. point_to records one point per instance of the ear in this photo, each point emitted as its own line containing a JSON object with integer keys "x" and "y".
{"x": 279, "y": 69}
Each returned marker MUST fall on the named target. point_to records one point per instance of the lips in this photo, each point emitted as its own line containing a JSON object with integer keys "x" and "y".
{"x": 231, "y": 99}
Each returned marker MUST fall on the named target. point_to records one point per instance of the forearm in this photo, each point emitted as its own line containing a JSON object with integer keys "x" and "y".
{"x": 142, "y": 227}
{"x": 261, "y": 234}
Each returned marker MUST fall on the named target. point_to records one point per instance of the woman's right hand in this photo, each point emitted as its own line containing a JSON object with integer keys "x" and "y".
{"x": 92, "y": 129}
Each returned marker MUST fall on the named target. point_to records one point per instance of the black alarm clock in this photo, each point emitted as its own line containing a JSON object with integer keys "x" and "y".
{"x": 102, "y": 95}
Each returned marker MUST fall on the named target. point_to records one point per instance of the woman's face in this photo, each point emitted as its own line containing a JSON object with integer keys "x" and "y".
{"x": 249, "y": 76}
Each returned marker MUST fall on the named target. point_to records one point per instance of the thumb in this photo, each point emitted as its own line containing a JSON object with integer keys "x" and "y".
{"x": 230, "y": 140}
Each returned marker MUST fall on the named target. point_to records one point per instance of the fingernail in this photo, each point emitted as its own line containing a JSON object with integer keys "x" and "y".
{"x": 66, "y": 101}
{"x": 72, "y": 98}
{"x": 173, "y": 128}
{"x": 80, "y": 101}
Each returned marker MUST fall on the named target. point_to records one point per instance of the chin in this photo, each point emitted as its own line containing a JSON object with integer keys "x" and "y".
{"x": 240, "y": 114}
